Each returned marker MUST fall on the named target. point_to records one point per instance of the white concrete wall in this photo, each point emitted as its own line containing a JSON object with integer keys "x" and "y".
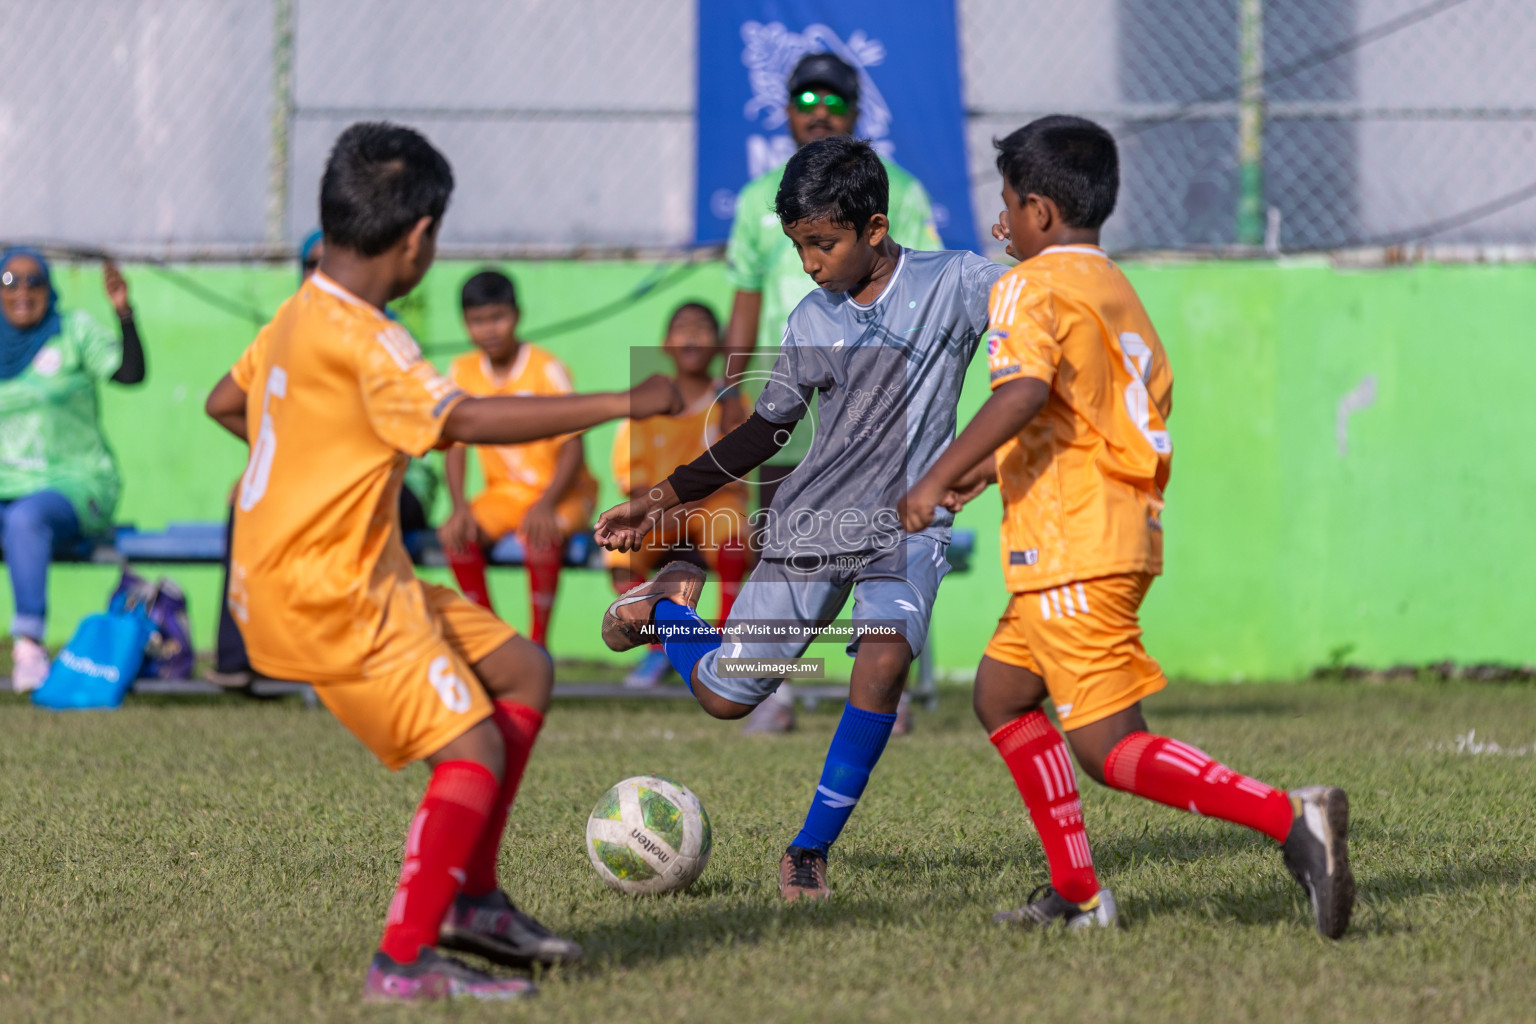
{"x": 569, "y": 122}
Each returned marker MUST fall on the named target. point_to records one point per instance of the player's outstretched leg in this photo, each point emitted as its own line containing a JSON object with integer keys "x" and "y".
{"x": 483, "y": 919}
{"x": 665, "y": 608}
{"x": 1311, "y": 824}
{"x": 459, "y": 801}
{"x": 630, "y": 619}
{"x": 1007, "y": 700}
{"x": 879, "y": 672}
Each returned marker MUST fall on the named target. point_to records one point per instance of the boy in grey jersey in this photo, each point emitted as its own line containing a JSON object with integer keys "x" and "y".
{"x": 883, "y": 345}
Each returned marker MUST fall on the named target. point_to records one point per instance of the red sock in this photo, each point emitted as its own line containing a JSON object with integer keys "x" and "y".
{"x": 731, "y": 564}
{"x": 447, "y": 825}
{"x": 519, "y": 727}
{"x": 543, "y": 564}
{"x": 1185, "y": 777}
{"x": 1037, "y": 757}
{"x": 469, "y": 569}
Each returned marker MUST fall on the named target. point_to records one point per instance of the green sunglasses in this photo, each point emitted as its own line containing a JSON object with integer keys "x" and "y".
{"x": 809, "y": 100}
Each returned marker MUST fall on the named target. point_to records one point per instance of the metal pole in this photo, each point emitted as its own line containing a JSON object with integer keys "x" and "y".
{"x": 282, "y": 121}
{"x": 1250, "y": 123}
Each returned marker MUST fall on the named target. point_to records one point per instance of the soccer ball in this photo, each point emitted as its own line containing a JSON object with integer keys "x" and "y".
{"x": 648, "y": 835}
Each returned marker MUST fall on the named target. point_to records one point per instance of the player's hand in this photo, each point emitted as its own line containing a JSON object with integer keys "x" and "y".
{"x": 654, "y": 396}
{"x": 540, "y": 526}
{"x": 961, "y": 495}
{"x": 458, "y": 532}
{"x": 917, "y": 507}
{"x": 1001, "y": 233}
{"x": 624, "y": 527}
{"x": 117, "y": 288}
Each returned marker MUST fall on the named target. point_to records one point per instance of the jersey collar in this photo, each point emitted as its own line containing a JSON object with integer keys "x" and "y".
{"x": 706, "y": 400}
{"x": 330, "y": 287}
{"x": 1091, "y": 250}
{"x": 515, "y": 371}
{"x": 901, "y": 261}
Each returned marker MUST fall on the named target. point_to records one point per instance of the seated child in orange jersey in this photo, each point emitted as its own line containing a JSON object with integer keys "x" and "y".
{"x": 645, "y": 452}
{"x": 335, "y": 399}
{"x": 1081, "y": 393}
{"x": 541, "y": 489}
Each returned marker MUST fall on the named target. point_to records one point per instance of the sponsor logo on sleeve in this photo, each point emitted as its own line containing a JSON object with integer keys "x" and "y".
{"x": 1006, "y": 371}
{"x": 1029, "y": 557}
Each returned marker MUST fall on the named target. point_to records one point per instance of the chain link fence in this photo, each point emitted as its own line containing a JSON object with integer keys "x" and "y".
{"x": 188, "y": 128}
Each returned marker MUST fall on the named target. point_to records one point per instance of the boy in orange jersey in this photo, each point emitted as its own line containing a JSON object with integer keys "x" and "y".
{"x": 541, "y": 489}
{"x": 335, "y": 398}
{"x": 644, "y": 453}
{"x": 1081, "y": 393}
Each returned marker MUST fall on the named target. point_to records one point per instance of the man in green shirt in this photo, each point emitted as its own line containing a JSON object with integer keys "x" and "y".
{"x": 762, "y": 265}
{"x": 761, "y": 262}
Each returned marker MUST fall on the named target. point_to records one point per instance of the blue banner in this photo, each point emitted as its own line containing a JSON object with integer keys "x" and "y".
{"x": 907, "y": 56}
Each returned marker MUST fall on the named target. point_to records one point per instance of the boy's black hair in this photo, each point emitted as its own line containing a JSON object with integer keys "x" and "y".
{"x": 488, "y": 288}
{"x": 695, "y": 307}
{"x": 379, "y": 181}
{"x": 1069, "y": 160}
{"x": 840, "y": 179}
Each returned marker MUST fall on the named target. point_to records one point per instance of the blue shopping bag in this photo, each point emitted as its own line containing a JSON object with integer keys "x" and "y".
{"x": 99, "y": 664}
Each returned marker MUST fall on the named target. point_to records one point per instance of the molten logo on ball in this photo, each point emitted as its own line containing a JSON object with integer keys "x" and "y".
{"x": 648, "y": 835}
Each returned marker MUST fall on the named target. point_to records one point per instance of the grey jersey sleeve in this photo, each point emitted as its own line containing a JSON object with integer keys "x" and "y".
{"x": 787, "y": 394}
{"x": 977, "y": 276}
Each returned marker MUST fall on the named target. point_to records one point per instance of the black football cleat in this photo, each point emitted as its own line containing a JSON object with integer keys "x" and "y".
{"x": 1317, "y": 854}
{"x": 491, "y": 926}
{"x": 1047, "y": 907}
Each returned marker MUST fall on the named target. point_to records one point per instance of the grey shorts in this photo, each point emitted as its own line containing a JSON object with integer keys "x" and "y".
{"x": 897, "y": 588}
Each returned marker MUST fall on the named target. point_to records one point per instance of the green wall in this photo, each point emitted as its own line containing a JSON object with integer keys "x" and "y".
{"x": 1285, "y": 550}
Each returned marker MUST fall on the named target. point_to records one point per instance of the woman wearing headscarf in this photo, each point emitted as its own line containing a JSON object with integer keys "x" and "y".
{"x": 58, "y": 480}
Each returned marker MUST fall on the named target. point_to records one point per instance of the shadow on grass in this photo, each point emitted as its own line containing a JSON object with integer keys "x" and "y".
{"x": 666, "y": 928}
{"x": 713, "y": 916}
{"x": 700, "y": 921}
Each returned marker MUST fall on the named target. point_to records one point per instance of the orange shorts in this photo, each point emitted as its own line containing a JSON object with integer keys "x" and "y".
{"x": 1084, "y": 640}
{"x": 409, "y": 708}
{"x": 707, "y": 526}
{"x": 500, "y": 511}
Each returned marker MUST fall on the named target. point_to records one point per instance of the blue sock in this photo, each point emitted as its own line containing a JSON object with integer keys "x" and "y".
{"x": 684, "y": 636}
{"x": 856, "y": 746}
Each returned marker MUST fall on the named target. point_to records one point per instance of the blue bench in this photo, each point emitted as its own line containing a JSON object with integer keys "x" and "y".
{"x": 178, "y": 543}
{"x": 202, "y": 543}
{"x": 197, "y": 543}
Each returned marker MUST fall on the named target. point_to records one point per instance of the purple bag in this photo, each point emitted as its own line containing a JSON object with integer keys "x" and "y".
{"x": 168, "y": 654}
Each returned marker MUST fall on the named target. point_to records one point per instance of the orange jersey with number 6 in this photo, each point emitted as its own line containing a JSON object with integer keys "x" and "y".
{"x": 338, "y": 399}
{"x": 1083, "y": 482}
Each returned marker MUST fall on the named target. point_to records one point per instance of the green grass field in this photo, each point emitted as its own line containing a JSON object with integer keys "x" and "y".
{"x": 222, "y": 860}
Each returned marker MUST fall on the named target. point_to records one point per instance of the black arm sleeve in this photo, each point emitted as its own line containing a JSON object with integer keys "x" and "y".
{"x": 132, "y": 369}
{"x": 731, "y": 458}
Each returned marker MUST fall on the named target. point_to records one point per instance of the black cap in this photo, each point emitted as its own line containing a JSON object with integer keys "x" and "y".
{"x": 828, "y": 71}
